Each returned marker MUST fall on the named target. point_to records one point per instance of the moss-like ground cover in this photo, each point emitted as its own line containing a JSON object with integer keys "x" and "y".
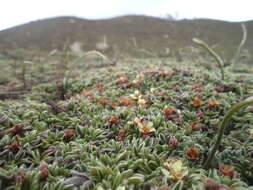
{"x": 133, "y": 128}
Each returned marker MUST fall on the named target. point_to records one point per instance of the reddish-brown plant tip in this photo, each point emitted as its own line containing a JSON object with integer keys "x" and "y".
{"x": 173, "y": 143}
{"x": 136, "y": 84}
{"x": 145, "y": 127}
{"x": 121, "y": 79}
{"x": 58, "y": 84}
{"x": 197, "y": 87}
{"x": 196, "y": 102}
{"x": 200, "y": 115}
{"x": 227, "y": 170}
{"x": 196, "y": 126}
{"x": 14, "y": 147}
{"x": 210, "y": 184}
{"x": 88, "y": 94}
{"x": 103, "y": 101}
{"x": 143, "y": 102}
{"x": 251, "y": 109}
{"x": 170, "y": 114}
{"x": 126, "y": 101}
{"x": 114, "y": 105}
{"x": 145, "y": 133}
{"x": 212, "y": 103}
{"x": 43, "y": 169}
{"x": 16, "y": 130}
{"x": 114, "y": 120}
{"x": 20, "y": 177}
{"x": 122, "y": 135}
{"x": 192, "y": 154}
{"x": 69, "y": 134}
{"x": 99, "y": 87}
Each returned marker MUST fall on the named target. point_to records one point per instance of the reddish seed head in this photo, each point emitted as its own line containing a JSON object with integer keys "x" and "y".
{"x": 197, "y": 87}
{"x": 104, "y": 101}
{"x": 125, "y": 101}
{"x": 136, "y": 84}
{"x": 69, "y": 134}
{"x": 173, "y": 142}
{"x": 196, "y": 126}
{"x": 58, "y": 84}
{"x": 192, "y": 154}
{"x": 170, "y": 114}
{"x": 122, "y": 135}
{"x": 196, "y": 102}
{"x": 227, "y": 170}
{"x": 43, "y": 168}
{"x": 251, "y": 109}
{"x": 210, "y": 184}
{"x": 15, "y": 130}
{"x": 114, "y": 120}
{"x": 114, "y": 105}
{"x": 13, "y": 147}
{"x": 121, "y": 79}
{"x": 212, "y": 104}
{"x": 20, "y": 177}
{"x": 200, "y": 114}
{"x": 99, "y": 87}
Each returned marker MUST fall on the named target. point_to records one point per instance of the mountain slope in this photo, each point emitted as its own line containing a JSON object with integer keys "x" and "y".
{"x": 124, "y": 33}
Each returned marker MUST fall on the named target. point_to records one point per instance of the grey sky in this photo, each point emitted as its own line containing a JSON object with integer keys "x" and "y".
{"x": 14, "y": 12}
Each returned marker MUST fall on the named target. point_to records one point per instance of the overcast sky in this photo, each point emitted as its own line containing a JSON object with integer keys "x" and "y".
{"x": 15, "y": 12}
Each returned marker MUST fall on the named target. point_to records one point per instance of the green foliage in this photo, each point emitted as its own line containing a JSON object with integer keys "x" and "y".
{"x": 125, "y": 129}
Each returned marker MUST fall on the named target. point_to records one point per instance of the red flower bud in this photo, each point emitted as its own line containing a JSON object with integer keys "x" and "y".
{"x": 43, "y": 168}
{"x": 200, "y": 114}
{"x": 173, "y": 142}
{"x": 69, "y": 134}
{"x": 210, "y": 184}
{"x": 15, "y": 130}
{"x": 227, "y": 170}
{"x": 251, "y": 109}
{"x": 20, "y": 177}
{"x": 192, "y": 154}
{"x": 196, "y": 126}
{"x": 196, "y": 102}
{"x": 114, "y": 120}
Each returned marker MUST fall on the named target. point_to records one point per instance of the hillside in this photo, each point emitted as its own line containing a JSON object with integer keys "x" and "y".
{"x": 124, "y": 34}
